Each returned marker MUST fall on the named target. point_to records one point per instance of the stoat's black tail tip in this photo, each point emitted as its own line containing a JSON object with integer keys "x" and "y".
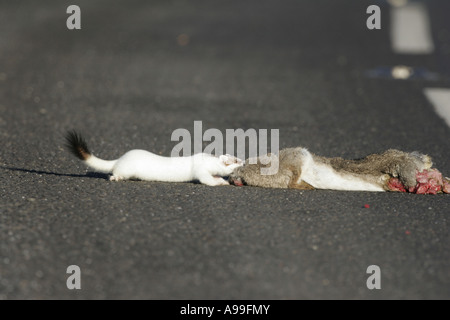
{"x": 76, "y": 144}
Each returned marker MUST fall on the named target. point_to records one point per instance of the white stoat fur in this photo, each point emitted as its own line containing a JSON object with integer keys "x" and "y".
{"x": 144, "y": 165}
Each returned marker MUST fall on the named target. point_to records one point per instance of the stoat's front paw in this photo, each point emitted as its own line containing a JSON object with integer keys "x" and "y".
{"x": 115, "y": 178}
{"x": 214, "y": 181}
{"x": 221, "y": 181}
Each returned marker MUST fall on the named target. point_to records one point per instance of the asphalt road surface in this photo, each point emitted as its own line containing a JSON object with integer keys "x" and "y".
{"x": 138, "y": 70}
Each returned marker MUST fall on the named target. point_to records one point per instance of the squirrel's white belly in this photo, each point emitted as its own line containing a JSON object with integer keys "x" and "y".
{"x": 322, "y": 176}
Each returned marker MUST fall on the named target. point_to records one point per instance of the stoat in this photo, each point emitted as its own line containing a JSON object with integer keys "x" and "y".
{"x": 392, "y": 170}
{"x": 144, "y": 165}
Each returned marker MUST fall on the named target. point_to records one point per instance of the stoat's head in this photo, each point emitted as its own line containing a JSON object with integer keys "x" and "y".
{"x": 229, "y": 160}
{"x": 228, "y": 164}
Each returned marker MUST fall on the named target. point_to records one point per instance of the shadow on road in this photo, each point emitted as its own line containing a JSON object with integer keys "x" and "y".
{"x": 95, "y": 175}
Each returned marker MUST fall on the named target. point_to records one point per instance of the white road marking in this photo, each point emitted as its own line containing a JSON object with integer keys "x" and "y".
{"x": 410, "y": 29}
{"x": 440, "y": 98}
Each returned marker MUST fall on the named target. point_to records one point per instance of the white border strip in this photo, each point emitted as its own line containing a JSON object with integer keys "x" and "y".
{"x": 410, "y": 29}
{"x": 440, "y": 98}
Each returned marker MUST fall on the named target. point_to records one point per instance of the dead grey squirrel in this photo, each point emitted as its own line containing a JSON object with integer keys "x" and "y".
{"x": 392, "y": 170}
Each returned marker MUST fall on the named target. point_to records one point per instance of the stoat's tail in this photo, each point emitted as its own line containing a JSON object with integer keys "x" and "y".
{"x": 77, "y": 146}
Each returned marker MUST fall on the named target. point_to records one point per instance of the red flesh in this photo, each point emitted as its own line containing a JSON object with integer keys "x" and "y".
{"x": 428, "y": 182}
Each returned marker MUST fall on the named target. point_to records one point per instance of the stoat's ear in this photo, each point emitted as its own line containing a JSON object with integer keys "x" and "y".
{"x": 228, "y": 159}
{"x": 224, "y": 159}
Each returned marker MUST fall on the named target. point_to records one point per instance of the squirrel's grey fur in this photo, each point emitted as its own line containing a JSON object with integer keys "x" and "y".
{"x": 300, "y": 169}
